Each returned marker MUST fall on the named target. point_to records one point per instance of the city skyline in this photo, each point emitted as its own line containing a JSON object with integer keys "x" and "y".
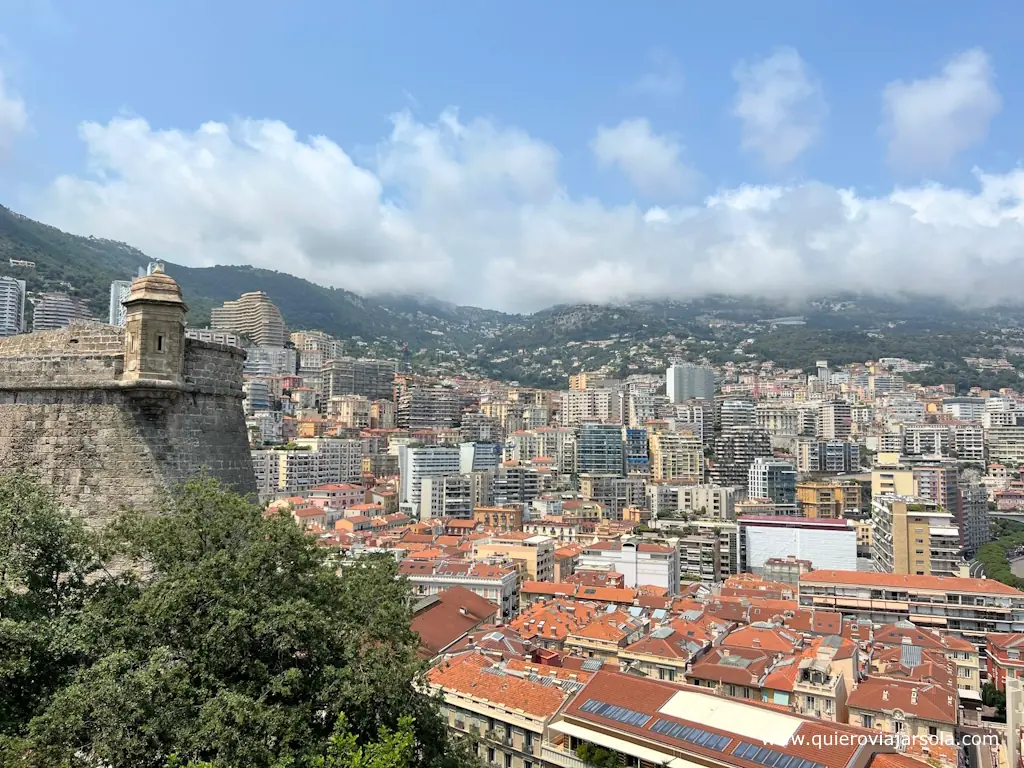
{"x": 617, "y": 160}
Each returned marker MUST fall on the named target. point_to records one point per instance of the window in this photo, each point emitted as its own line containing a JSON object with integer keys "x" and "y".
{"x": 490, "y": 754}
{"x": 160, "y": 343}
{"x": 508, "y": 761}
{"x": 867, "y": 721}
{"x": 933, "y": 731}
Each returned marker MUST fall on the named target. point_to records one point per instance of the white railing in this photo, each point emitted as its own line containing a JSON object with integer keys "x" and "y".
{"x": 563, "y": 758}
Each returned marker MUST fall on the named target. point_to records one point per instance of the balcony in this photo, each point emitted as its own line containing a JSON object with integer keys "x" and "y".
{"x": 557, "y": 756}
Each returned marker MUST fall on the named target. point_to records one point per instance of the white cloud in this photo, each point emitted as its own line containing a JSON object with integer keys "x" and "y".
{"x": 929, "y": 121}
{"x": 652, "y": 162}
{"x": 780, "y": 105}
{"x": 13, "y": 116}
{"x": 665, "y": 79}
{"x": 475, "y": 212}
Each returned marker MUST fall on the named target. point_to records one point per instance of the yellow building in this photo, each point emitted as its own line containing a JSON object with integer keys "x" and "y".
{"x": 828, "y": 500}
{"x": 536, "y": 553}
{"x": 891, "y": 477}
{"x": 676, "y": 456}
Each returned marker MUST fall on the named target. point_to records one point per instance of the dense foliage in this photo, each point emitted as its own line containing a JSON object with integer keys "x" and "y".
{"x": 995, "y": 556}
{"x": 224, "y": 638}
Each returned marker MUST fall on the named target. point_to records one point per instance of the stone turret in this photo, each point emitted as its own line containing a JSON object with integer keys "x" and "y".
{"x": 154, "y": 348}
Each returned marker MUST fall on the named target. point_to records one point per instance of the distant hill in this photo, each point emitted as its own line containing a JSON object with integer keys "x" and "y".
{"x": 85, "y": 266}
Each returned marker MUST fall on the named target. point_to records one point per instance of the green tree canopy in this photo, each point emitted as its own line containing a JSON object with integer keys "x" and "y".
{"x": 225, "y": 638}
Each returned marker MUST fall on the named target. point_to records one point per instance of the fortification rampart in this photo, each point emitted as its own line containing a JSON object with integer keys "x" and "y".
{"x": 103, "y": 442}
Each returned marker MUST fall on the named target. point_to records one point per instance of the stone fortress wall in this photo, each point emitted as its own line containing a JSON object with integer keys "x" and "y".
{"x": 105, "y": 443}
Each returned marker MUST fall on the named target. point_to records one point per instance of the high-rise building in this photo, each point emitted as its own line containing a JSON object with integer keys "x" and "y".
{"x": 836, "y": 420}
{"x": 118, "y": 293}
{"x": 676, "y": 456}
{"x": 973, "y": 517}
{"x": 823, "y": 372}
{"x": 270, "y": 361}
{"x": 635, "y": 441}
{"x": 57, "y": 310}
{"x": 373, "y": 379}
{"x": 831, "y": 456}
{"x": 737, "y": 413}
{"x": 829, "y": 500}
{"x": 772, "y": 479}
{"x": 12, "y": 306}
{"x": 599, "y": 449}
{"x": 686, "y": 381}
{"x": 938, "y": 483}
{"x": 735, "y": 451}
{"x": 914, "y": 536}
{"x": 429, "y": 408}
{"x": 254, "y": 316}
{"x": 418, "y": 462}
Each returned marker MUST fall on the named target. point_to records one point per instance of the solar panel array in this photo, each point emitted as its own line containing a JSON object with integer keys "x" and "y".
{"x": 772, "y": 758}
{"x": 592, "y": 665}
{"x": 612, "y": 712}
{"x": 696, "y": 736}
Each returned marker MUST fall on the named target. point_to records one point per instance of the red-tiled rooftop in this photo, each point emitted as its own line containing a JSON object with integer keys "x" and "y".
{"x": 466, "y": 675}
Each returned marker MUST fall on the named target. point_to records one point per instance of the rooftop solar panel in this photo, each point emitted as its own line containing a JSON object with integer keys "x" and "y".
{"x": 771, "y": 758}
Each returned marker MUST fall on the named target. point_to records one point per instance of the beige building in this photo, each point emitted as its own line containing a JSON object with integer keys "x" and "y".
{"x": 254, "y": 316}
{"x": 828, "y": 500}
{"x": 676, "y": 456}
{"x": 536, "y": 553}
{"x": 914, "y": 536}
{"x": 889, "y": 477}
{"x": 909, "y": 708}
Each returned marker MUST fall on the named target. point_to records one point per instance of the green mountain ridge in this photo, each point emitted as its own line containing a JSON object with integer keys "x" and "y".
{"x": 85, "y": 266}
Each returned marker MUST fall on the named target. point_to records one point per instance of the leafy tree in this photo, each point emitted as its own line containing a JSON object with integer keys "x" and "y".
{"x": 225, "y": 638}
{"x": 597, "y": 756}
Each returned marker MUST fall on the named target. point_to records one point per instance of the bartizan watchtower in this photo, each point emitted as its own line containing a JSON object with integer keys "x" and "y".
{"x": 115, "y": 417}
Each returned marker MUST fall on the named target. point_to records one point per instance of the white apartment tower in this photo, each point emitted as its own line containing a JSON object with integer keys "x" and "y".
{"x": 118, "y": 293}
{"x": 418, "y": 462}
{"x": 686, "y": 381}
{"x": 12, "y": 306}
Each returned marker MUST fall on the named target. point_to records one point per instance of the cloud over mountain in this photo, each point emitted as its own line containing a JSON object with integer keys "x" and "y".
{"x": 476, "y": 212}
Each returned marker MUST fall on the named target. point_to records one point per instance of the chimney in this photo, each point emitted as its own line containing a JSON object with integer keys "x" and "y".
{"x": 463, "y": 611}
{"x": 885, "y": 695}
{"x": 913, "y": 696}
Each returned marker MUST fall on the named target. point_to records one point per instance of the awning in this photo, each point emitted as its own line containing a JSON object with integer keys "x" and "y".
{"x": 610, "y": 742}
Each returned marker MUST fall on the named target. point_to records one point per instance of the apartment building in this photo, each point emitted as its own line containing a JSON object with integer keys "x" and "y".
{"x": 966, "y": 608}
{"x": 252, "y": 315}
{"x": 772, "y": 479}
{"x": 835, "y": 421}
{"x": 504, "y": 711}
{"x": 914, "y": 536}
{"x": 12, "y": 306}
{"x": 641, "y": 563}
{"x": 118, "y": 293}
{"x": 499, "y": 518}
{"x": 676, "y": 456}
{"x": 735, "y": 450}
{"x": 973, "y": 517}
{"x": 644, "y": 721}
{"x": 828, "y": 500}
{"x": 423, "y": 407}
{"x": 603, "y": 405}
{"x": 317, "y": 461}
{"x": 372, "y": 379}
{"x": 734, "y": 413}
{"x": 778, "y": 419}
{"x": 536, "y": 553}
{"x": 827, "y": 456}
{"x": 686, "y": 381}
{"x": 499, "y": 585}
{"x": 58, "y": 310}
{"x": 909, "y": 708}
{"x": 270, "y": 361}
{"x": 1006, "y": 444}
{"x": 969, "y": 442}
{"x": 447, "y": 496}
{"x": 418, "y": 462}
{"x": 959, "y": 655}
{"x": 216, "y": 337}
{"x": 599, "y": 449}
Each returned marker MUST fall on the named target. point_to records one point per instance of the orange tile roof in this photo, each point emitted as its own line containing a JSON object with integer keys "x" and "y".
{"x": 466, "y": 676}
{"x": 607, "y": 595}
{"x": 879, "y": 694}
{"x": 895, "y": 581}
{"x": 773, "y": 639}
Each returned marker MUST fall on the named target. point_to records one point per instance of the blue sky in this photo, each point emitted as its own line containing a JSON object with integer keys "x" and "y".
{"x": 599, "y": 150}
